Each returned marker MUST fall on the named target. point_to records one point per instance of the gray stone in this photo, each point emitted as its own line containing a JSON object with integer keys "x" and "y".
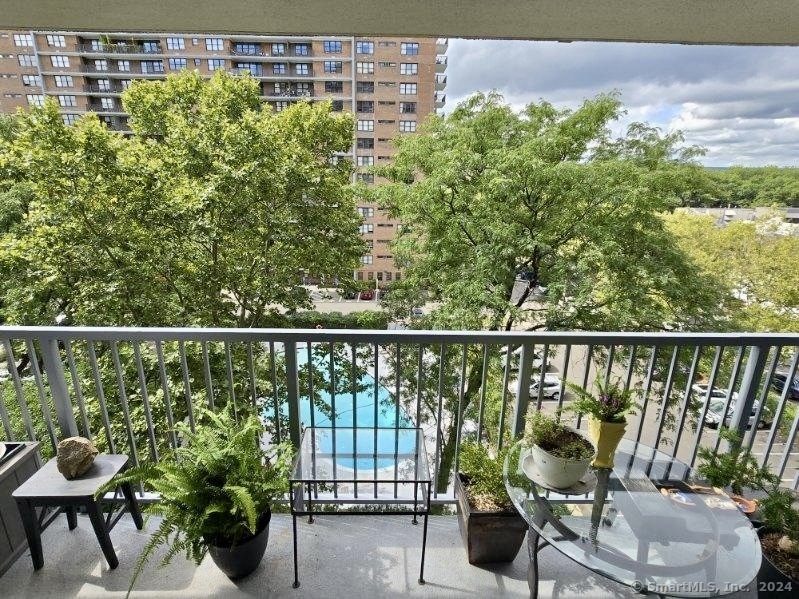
{"x": 75, "y": 456}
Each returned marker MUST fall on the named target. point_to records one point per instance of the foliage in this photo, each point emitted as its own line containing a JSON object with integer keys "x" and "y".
{"x": 204, "y": 216}
{"x": 751, "y": 187}
{"x": 611, "y": 404}
{"x": 366, "y": 319}
{"x": 483, "y": 475}
{"x": 737, "y": 469}
{"x": 31, "y": 404}
{"x": 556, "y": 438}
{"x": 780, "y": 514}
{"x": 213, "y": 488}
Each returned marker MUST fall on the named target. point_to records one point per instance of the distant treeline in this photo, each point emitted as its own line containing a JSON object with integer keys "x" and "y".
{"x": 744, "y": 187}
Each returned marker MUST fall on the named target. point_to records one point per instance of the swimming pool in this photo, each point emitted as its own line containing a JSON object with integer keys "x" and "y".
{"x": 356, "y": 410}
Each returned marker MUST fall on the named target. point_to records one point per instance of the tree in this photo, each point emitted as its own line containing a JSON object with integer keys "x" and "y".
{"x": 204, "y": 216}
{"x": 487, "y": 196}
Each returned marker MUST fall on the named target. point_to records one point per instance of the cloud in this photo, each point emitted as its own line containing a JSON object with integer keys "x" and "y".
{"x": 740, "y": 102}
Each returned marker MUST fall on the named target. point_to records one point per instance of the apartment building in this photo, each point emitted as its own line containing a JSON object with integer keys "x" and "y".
{"x": 389, "y": 84}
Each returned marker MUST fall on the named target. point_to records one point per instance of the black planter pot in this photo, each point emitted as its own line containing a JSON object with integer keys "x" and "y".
{"x": 490, "y": 537}
{"x": 241, "y": 559}
{"x": 772, "y": 583}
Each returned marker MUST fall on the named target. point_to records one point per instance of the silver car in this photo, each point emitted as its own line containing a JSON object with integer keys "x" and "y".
{"x": 552, "y": 386}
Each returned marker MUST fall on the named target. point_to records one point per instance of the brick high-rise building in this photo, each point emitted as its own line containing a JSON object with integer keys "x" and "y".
{"x": 389, "y": 84}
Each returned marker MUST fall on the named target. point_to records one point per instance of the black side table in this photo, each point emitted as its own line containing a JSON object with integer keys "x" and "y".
{"x": 48, "y": 487}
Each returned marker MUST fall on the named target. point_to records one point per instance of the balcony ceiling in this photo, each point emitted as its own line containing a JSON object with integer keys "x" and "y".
{"x": 676, "y": 21}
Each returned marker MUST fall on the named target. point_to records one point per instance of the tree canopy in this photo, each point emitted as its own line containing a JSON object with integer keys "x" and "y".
{"x": 768, "y": 186}
{"x": 488, "y": 196}
{"x": 205, "y": 215}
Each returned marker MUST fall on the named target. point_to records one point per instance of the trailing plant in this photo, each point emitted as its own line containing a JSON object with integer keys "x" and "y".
{"x": 556, "y": 438}
{"x": 612, "y": 403}
{"x": 482, "y": 474}
{"x": 213, "y": 488}
{"x": 737, "y": 469}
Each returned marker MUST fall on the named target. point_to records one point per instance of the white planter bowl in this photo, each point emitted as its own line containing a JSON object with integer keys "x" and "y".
{"x": 559, "y": 473}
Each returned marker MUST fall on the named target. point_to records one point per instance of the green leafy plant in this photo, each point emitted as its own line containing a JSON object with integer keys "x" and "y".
{"x": 612, "y": 403}
{"x": 556, "y": 438}
{"x": 213, "y": 488}
{"x": 737, "y": 469}
{"x": 482, "y": 476}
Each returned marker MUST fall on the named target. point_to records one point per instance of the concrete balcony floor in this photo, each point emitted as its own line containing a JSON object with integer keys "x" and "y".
{"x": 340, "y": 556}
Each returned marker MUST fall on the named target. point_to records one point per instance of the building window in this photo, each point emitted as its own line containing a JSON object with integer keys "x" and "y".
{"x": 365, "y": 47}
{"x": 409, "y": 48}
{"x": 215, "y": 63}
{"x": 63, "y": 81}
{"x": 26, "y": 61}
{"x": 408, "y": 89}
{"x": 365, "y": 229}
{"x": 198, "y": 62}
{"x": 333, "y": 66}
{"x": 397, "y": 276}
{"x": 213, "y": 44}
{"x": 175, "y": 43}
{"x": 409, "y": 68}
{"x": 96, "y": 45}
{"x": 35, "y": 99}
{"x": 366, "y": 160}
{"x": 59, "y": 61}
{"x": 177, "y": 63}
{"x": 279, "y": 68}
{"x": 407, "y": 126}
{"x": 303, "y": 68}
{"x": 365, "y": 87}
{"x": 123, "y": 66}
{"x": 101, "y": 64}
{"x": 125, "y": 83}
{"x": 151, "y": 47}
{"x": 303, "y": 89}
{"x": 386, "y": 65}
{"x": 365, "y": 106}
{"x": 29, "y": 80}
{"x": 23, "y": 40}
{"x": 407, "y": 107}
{"x": 56, "y": 41}
{"x": 337, "y": 106}
{"x": 253, "y": 67}
{"x": 366, "y": 212}
{"x": 366, "y": 125}
{"x": 67, "y": 101}
{"x": 152, "y": 66}
{"x": 366, "y": 177}
{"x": 246, "y": 49}
{"x": 281, "y": 106}
{"x": 367, "y": 259}
{"x": 278, "y": 49}
{"x": 365, "y": 68}
{"x": 69, "y": 119}
{"x": 334, "y": 87}
{"x": 332, "y": 47}
{"x": 366, "y": 143}
{"x": 104, "y": 85}
{"x": 107, "y": 103}
{"x": 302, "y": 49}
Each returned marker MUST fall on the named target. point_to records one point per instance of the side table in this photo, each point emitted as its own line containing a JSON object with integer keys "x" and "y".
{"x": 48, "y": 487}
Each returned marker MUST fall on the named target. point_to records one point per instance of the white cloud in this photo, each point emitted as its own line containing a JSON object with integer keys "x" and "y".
{"x": 741, "y": 103}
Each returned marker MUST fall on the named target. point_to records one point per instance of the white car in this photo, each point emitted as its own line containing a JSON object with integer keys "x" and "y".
{"x": 700, "y": 391}
{"x": 552, "y": 386}
{"x": 716, "y": 408}
{"x": 516, "y": 355}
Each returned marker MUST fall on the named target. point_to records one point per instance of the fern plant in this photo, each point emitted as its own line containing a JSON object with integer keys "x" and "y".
{"x": 213, "y": 488}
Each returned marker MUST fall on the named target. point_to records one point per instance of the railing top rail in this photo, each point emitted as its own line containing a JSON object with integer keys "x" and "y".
{"x": 401, "y": 336}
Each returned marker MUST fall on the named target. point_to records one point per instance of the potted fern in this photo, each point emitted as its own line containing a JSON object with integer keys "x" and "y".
{"x": 215, "y": 493}
{"x": 561, "y": 455}
{"x": 490, "y": 526}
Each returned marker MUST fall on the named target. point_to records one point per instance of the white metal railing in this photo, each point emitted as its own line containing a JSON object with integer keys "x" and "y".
{"x": 126, "y": 387}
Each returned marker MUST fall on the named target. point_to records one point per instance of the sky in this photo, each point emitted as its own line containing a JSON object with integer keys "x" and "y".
{"x": 741, "y": 103}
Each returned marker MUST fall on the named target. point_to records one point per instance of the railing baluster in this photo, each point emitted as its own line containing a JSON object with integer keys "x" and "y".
{"x": 276, "y": 398}
{"x": 170, "y": 419}
{"x": 375, "y": 416}
{"x": 750, "y": 383}
{"x": 664, "y": 405}
{"x": 184, "y": 366}
{"x": 789, "y": 443}
{"x": 76, "y": 384}
{"x": 37, "y": 377}
{"x": 459, "y": 415}
{"x": 503, "y": 404}
{"x": 541, "y": 376}
{"x": 397, "y": 389}
{"x": 523, "y": 389}
{"x": 567, "y": 352}
{"x": 686, "y": 399}
{"x": 419, "y": 378}
{"x": 714, "y": 370}
{"x": 354, "y": 384}
{"x": 54, "y": 367}
{"x": 750, "y": 436}
{"x": 630, "y": 368}
{"x": 647, "y": 389}
{"x": 292, "y": 392}
{"x": 209, "y": 387}
{"x": 483, "y": 385}
{"x": 439, "y": 432}
{"x": 7, "y": 428}
{"x": 123, "y": 402}
{"x": 23, "y": 404}
{"x": 609, "y": 365}
{"x": 98, "y": 385}
{"x": 148, "y": 417}
{"x": 251, "y": 375}
{"x": 230, "y": 384}
{"x": 588, "y": 359}
{"x": 778, "y": 414}
{"x": 332, "y": 368}
{"x": 309, "y": 366}
{"x": 733, "y": 378}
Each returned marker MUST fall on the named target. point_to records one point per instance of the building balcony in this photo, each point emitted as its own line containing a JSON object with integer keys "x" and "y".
{"x": 442, "y": 44}
{"x": 441, "y": 82}
{"x": 440, "y": 100}
{"x": 441, "y": 64}
{"x": 119, "y": 48}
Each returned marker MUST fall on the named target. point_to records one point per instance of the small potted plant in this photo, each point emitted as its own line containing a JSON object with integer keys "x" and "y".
{"x": 215, "y": 493}
{"x": 779, "y": 539}
{"x": 561, "y": 455}
{"x": 607, "y": 417}
{"x": 492, "y": 529}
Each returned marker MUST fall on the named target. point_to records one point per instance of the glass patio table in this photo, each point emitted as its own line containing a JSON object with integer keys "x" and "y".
{"x": 642, "y": 524}
{"x": 384, "y": 470}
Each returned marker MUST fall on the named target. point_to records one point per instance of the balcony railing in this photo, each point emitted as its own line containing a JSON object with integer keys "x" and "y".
{"x": 126, "y": 387}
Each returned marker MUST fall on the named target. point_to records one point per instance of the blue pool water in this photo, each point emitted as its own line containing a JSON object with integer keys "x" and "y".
{"x": 357, "y": 411}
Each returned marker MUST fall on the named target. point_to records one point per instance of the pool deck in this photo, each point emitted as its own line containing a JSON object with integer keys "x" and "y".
{"x": 339, "y": 556}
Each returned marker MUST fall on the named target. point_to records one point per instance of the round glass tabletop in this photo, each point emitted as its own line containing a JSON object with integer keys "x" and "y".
{"x": 643, "y": 524}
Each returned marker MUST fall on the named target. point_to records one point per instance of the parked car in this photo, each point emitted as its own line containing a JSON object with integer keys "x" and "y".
{"x": 369, "y": 294}
{"x": 516, "y": 356}
{"x": 417, "y": 312}
{"x": 700, "y": 390}
{"x": 716, "y": 408}
{"x": 552, "y": 386}
{"x": 778, "y": 383}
